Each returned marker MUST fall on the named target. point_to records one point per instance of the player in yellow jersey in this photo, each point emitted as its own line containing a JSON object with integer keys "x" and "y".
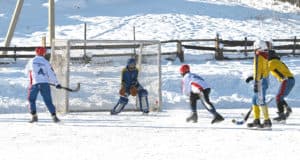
{"x": 282, "y": 73}
{"x": 260, "y": 77}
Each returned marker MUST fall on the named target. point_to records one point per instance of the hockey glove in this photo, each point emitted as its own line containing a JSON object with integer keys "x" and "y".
{"x": 133, "y": 91}
{"x": 250, "y": 78}
{"x": 58, "y": 86}
{"x": 255, "y": 87}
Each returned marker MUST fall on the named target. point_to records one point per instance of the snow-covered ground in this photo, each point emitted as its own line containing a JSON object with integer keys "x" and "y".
{"x": 160, "y": 135}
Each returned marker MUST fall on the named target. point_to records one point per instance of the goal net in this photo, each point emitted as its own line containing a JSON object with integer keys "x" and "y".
{"x": 97, "y": 65}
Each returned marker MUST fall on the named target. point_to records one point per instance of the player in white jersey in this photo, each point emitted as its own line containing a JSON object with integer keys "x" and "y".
{"x": 41, "y": 74}
{"x": 196, "y": 88}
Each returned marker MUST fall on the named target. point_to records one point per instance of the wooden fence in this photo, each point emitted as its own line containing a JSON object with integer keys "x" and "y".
{"x": 220, "y": 47}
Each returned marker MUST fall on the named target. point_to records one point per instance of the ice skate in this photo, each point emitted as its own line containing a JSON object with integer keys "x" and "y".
{"x": 55, "y": 119}
{"x": 217, "y": 118}
{"x": 145, "y": 112}
{"x": 267, "y": 124}
{"x": 112, "y": 112}
{"x": 193, "y": 118}
{"x": 281, "y": 118}
{"x": 34, "y": 118}
{"x": 255, "y": 124}
{"x": 288, "y": 111}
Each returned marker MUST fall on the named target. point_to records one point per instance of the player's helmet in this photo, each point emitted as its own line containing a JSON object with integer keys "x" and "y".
{"x": 40, "y": 51}
{"x": 260, "y": 44}
{"x": 184, "y": 69}
{"x": 131, "y": 63}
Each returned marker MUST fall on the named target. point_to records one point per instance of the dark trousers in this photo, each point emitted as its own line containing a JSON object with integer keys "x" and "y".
{"x": 45, "y": 91}
{"x": 284, "y": 90}
{"x": 204, "y": 100}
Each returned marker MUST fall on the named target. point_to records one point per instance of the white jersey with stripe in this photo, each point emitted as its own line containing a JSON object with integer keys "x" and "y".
{"x": 193, "y": 83}
{"x": 39, "y": 70}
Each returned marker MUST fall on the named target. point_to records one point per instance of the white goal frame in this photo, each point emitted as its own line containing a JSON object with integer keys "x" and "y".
{"x": 62, "y": 53}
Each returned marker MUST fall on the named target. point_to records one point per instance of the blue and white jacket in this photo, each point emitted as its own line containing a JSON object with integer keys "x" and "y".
{"x": 193, "y": 83}
{"x": 39, "y": 70}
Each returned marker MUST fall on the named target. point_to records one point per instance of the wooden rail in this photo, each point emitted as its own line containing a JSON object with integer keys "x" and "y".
{"x": 217, "y": 45}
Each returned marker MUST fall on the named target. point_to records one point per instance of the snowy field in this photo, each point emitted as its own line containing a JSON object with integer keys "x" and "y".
{"x": 160, "y": 135}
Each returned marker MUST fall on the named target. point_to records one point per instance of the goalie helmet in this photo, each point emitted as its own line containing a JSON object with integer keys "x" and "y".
{"x": 131, "y": 61}
{"x": 131, "y": 64}
{"x": 184, "y": 69}
{"x": 40, "y": 51}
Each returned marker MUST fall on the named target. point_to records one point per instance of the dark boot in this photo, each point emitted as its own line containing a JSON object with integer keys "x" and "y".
{"x": 54, "y": 118}
{"x": 267, "y": 123}
{"x": 254, "y": 124}
{"x": 112, "y": 112}
{"x": 34, "y": 118}
{"x": 193, "y": 117}
{"x": 281, "y": 117}
{"x": 217, "y": 118}
{"x": 288, "y": 111}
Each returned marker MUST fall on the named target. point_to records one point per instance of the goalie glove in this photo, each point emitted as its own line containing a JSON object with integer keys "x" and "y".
{"x": 133, "y": 91}
{"x": 122, "y": 91}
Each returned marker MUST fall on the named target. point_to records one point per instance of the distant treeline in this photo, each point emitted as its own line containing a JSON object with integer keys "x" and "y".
{"x": 296, "y": 2}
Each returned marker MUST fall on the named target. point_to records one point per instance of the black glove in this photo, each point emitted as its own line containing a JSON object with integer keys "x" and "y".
{"x": 58, "y": 86}
{"x": 255, "y": 87}
{"x": 250, "y": 78}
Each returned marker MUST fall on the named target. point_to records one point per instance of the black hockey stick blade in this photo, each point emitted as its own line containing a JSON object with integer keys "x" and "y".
{"x": 73, "y": 90}
{"x": 240, "y": 122}
{"x": 70, "y": 89}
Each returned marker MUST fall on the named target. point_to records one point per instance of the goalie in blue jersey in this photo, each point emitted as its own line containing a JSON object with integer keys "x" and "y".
{"x": 131, "y": 86}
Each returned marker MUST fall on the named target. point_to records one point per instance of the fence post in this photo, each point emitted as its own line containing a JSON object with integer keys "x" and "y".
{"x": 44, "y": 44}
{"x": 246, "y": 47}
{"x": 218, "y": 52}
{"x": 84, "y": 37}
{"x": 44, "y": 41}
{"x": 86, "y": 58}
{"x": 269, "y": 44}
{"x": 294, "y": 46}
{"x": 180, "y": 52}
{"x": 133, "y": 30}
{"x": 15, "y": 53}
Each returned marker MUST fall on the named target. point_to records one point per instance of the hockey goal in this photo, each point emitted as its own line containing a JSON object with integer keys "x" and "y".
{"x": 97, "y": 65}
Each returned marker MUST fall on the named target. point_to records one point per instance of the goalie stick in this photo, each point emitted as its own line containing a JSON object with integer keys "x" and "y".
{"x": 70, "y": 89}
{"x": 240, "y": 122}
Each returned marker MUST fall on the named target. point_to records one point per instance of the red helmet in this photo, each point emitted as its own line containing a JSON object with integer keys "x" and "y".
{"x": 184, "y": 69}
{"x": 40, "y": 51}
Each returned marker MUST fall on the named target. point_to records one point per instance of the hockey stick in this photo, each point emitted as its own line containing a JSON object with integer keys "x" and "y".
{"x": 69, "y": 89}
{"x": 237, "y": 122}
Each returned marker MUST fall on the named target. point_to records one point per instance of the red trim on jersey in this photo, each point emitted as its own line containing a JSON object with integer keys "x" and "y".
{"x": 263, "y": 54}
{"x": 281, "y": 91}
{"x": 197, "y": 85}
{"x": 30, "y": 77}
{"x": 29, "y": 88}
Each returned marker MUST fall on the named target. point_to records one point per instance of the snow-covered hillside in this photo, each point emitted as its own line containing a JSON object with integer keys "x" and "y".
{"x": 160, "y": 135}
{"x": 159, "y": 20}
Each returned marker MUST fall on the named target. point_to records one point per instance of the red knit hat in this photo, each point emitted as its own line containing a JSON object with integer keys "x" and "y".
{"x": 40, "y": 51}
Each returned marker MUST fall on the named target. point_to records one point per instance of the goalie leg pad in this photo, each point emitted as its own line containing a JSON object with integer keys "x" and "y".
{"x": 143, "y": 99}
{"x": 119, "y": 106}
